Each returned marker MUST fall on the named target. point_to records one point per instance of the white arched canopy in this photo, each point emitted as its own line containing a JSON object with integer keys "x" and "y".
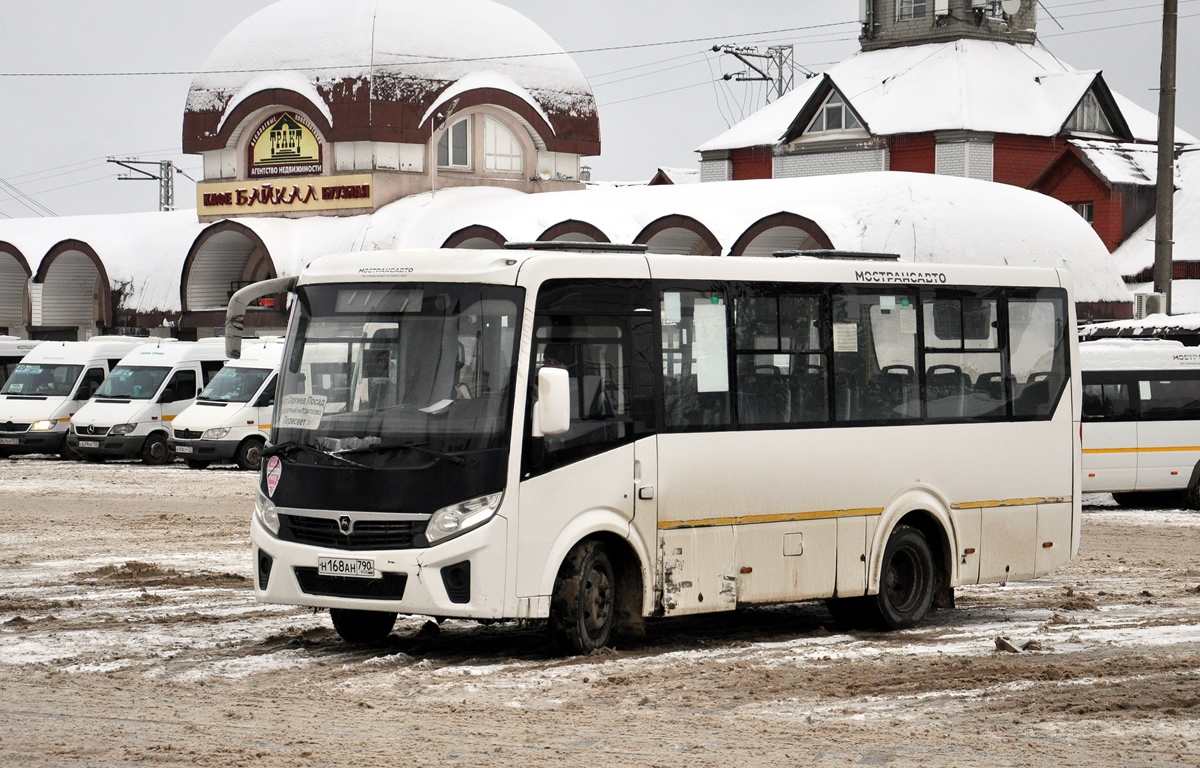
{"x": 780, "y": 238}
{"x": 223, "y": 260}
{"x": 72, "y": 293}
{"x": 14, "y": 284}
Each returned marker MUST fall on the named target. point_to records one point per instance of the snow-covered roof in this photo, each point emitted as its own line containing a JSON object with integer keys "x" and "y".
{"x": 679, "y": 175}
{"x": 1136, "y": 253}
{"x": 1150, "y": 326}
{"x": 142, "y": 252}
{"x": 404, "y": 51}
{"x": 968, "y": 85}
{"x": 921, "y": 217}
{"x": 1121, "y": 162}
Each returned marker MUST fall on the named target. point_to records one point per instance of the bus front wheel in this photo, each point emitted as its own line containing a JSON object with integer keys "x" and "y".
{"x": 362, "y": 627}
{"x": 583, "y": 605}
{"x": 907, "y": 580}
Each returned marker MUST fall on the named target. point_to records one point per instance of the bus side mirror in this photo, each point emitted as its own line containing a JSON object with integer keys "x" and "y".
{"x": 552, "y": 415}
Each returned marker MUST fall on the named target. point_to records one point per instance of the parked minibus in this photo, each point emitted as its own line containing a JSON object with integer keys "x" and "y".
{"x": 12, "y": 350}
{"x": 231, "y": 418}
{"x": 51, "y": 383}
{"x": 130, "y": 414}
{"x": 1141, "y": 421}
{"x": 590, "y": 438}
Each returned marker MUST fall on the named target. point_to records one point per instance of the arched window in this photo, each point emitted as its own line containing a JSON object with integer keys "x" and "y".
{"x": 502, "y": 152}
{"x": 454, "y": 148}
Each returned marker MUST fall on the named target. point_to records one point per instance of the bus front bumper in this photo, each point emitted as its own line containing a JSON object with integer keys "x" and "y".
{"x": 32, "y": 442}
{"x": 204, "y": 450}
{"x": 428, "y": 581}
{"x": 108, "y": 445}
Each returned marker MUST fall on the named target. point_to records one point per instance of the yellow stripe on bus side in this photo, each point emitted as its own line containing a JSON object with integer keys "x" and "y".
{"x": 835, "y": 513}
{"x": 1142, "y": 450}
{"x": 1010, "y": 502}
{"x": 168, "y": 418}
{"x": 782, "y": 518}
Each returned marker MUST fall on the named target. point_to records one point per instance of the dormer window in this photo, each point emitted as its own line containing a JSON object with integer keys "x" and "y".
{"x": 454, "y": 148}
{"x": 835, "y": 115}
{"x": 907, "y": 10}
{"x": 502, "y": 151}
{"x": 1089, "y": 117}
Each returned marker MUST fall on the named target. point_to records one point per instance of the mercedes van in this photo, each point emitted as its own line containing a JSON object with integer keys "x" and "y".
{"x": 231, "y": 419}
{"x": 131, "y": 412}
{"x": 49, "y": 385}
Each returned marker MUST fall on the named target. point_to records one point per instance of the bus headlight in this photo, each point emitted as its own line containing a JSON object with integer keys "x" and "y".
{"x": 456, "y": 518}
{"x": 264, "y": 510}
{"x": 215, "y": 434}
{"x": 42, "y": 426}
{"x": 122, "y": 429}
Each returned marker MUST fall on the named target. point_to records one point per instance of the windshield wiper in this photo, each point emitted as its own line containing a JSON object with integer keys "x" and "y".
{"x": 291, "y": 445}
{"x": 458, "y": 461}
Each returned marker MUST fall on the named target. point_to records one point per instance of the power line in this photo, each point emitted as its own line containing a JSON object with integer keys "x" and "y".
{"x": 26, "y": 200}
{"x": 1115, "y": 26}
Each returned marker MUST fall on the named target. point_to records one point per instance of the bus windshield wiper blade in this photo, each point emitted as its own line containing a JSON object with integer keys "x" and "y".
{"x": 419, "y": 447}
{"x": 292, "y": 445}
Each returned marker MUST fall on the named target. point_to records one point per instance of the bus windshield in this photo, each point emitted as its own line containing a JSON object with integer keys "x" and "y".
{"x": 138, "y": 382}
{"x": 39, "y": 379}
{"x": 235, "y": 384}
{"x": 399, "y": 375}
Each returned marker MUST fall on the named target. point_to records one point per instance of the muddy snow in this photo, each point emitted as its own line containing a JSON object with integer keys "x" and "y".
{"x": 129, "y": 634}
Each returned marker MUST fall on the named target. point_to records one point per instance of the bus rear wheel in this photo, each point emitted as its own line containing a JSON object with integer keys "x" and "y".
{"x": 155, "y": 450}
{"x": 906, "y": 581}
{"x": 249, "y": 454}
{"x": 362, "y": 627}
{"x": 583, "y": 606}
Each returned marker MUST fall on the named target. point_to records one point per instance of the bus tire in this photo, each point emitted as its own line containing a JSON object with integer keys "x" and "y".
{"x": 907, "y": 580}
{"x": 155, "y": 450}
{"x": 362, "y": 627}
{"x": 249, "y": 454}
{"x": 197, "y": 463}
{"x": 583, "y": 606}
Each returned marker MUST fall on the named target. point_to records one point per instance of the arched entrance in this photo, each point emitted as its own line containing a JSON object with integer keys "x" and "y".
{"x": 71, "y": 294}
{"x": 14, "y": 288}
{"x": 225, "y": 257}
{"x": 780, "y": 232}
{"x": 574, "y": 231}
{"x": 475, "y": 236}
{"x": 681, "y": 235}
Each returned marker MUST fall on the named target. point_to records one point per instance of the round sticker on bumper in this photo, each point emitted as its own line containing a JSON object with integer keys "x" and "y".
{"x": 274, "y": 470}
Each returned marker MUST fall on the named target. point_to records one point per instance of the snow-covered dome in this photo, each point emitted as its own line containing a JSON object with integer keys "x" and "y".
{"x": 371, "y": 70}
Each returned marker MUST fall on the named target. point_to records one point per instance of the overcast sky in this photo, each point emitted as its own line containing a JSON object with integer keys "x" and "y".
{"x": 658, "y": 101}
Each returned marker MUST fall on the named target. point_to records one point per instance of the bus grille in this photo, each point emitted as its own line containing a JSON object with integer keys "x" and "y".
{"x": 91, "y": 431}
{"x": 389, "y": 587}
{"x": 187, "y": 434}
{"x": 8, "y": 426}
{"x": 367, "y": 534}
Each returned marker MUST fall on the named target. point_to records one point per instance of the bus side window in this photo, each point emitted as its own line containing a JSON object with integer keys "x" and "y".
{"x": 781, "y": 368}
{"x": 875, "y": 356}
{"x": 695, "y": 359}
{"x": 1038, "y": 349}
{"x": 964, "y": 376}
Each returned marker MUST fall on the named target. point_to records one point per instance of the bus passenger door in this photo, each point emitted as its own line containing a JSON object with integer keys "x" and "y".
{"x": 1168, "y": 447}
{"x": 601, "y": 474}
{"x": 1110, "y": 438}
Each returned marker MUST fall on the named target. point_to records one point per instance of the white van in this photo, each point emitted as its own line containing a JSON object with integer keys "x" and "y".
{"x": 12, "y": 350}
{"x": 131, "y": 412}
{"x": 49, "y": 385}
{"x": 1141, "y": 420}
{"x": 231, "y": 419}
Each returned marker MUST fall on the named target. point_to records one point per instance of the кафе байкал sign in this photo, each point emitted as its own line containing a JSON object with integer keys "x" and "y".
{"x": 322, "y": 193}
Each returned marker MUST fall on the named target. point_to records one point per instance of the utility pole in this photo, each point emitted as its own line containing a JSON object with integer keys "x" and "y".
{"x": 1164, "y": 227}
{"x": 776, "y": 66}
{"x": 165, "y": 177}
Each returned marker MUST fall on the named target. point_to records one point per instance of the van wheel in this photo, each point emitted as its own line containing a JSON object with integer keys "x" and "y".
{"x": 155, "y": 451}
{"x": 362, "y": 626}
{"x": 249, "y": 454}
{"x": 907, "y": 580}
{"x": 583, "y": 605}
{"x": 197, "y": 463}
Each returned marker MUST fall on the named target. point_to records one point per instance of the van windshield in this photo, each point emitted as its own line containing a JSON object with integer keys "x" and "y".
{"x": 400, "y": 375}
{"x": 138, "y": 382}
{"x": 235, "y": 384}
{"x": 40, "y": 379}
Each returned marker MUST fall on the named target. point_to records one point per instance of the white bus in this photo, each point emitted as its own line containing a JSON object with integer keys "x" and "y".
{"x": 593, "y": 438}
{"x": 1141, "y": 421}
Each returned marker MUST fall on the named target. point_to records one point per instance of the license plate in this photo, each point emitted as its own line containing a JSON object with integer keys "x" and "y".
{"x": 89, "y": 443}
{"x": 9, "y": 441}
{"x": 353, "y": 568}
{"x": 183, "y": 449}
